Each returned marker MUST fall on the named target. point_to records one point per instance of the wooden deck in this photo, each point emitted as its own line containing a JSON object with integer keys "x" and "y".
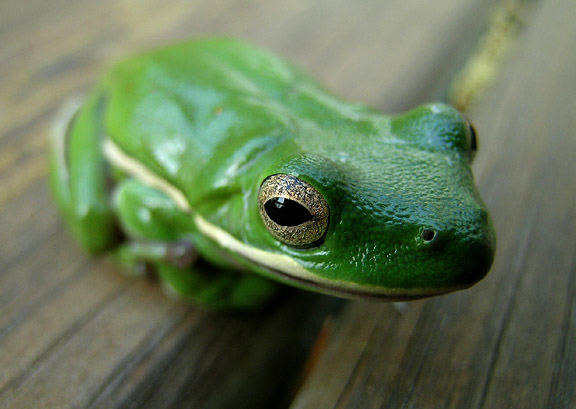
{"x": 75, "y": 333}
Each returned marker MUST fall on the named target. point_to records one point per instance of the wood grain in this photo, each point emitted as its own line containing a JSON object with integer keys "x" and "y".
{"x": 76, "y": 333}
{"x": 510, "y": 341}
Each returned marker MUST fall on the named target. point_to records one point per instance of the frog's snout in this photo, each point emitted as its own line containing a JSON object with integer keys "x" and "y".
{"x": 476, "y": 260}
{"x": 458, "y": 255}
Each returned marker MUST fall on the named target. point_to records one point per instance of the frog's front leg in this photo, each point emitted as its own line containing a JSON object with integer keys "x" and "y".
{"x": 162, "y": 236}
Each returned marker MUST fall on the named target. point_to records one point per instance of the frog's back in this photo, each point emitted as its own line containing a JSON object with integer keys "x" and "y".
{"x": 194, "y": 110}
{"x": 181, "y": 110}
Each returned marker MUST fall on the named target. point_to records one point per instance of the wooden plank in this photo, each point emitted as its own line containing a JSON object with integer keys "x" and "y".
{"x": 510, "y": 341}
{"x": 74, "y": 332}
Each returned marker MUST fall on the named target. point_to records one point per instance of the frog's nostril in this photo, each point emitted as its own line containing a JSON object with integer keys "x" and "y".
{"x": 428, "y": 235}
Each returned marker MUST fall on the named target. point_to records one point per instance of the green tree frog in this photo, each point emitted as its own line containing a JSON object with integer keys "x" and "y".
{"x": 218, "y": 149}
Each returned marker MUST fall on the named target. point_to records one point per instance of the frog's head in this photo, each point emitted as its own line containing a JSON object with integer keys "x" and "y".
{"x": 394, "y": 216}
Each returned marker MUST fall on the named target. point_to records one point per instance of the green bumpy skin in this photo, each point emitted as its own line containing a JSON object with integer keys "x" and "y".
{"x": 174, "y": 146}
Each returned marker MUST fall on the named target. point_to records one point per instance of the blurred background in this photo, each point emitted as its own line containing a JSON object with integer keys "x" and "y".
{"x": 74, "y": 332}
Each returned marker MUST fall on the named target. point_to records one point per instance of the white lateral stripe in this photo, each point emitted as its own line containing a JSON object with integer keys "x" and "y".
{"x": 131, "y": 166}
{"x": 264, "y": 258}
{"x": 136, "y": 169}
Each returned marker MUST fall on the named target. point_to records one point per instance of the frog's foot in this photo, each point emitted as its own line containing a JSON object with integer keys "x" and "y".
{"x": 183, "y": 276}
{"x": 140, "y": 256}
{"x": 216, "y": 288}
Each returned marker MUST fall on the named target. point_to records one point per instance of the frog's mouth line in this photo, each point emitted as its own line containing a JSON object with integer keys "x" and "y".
{"x": 278, "y": 265}
{"x": 288, "y": 270}
{"x": 365, "y": 293}
{"x": 341, "y": 291}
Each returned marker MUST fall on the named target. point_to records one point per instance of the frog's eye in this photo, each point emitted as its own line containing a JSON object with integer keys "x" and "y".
{"x": 472, "y": 140}
{"x": 293, "y": 211}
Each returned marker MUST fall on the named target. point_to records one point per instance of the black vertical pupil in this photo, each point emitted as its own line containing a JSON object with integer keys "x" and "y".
{"x": 286, "y": 212}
